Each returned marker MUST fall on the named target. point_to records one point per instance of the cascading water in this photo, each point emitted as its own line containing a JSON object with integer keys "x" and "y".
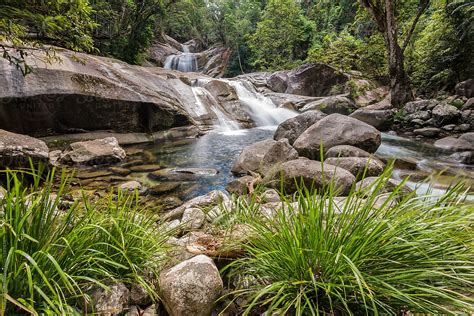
{"x": 263, "y": 110}
{"x": 185, "y": 62}
{"x": 202, "y": 96}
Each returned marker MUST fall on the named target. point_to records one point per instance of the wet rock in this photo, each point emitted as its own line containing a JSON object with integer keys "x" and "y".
{"x": 191, "y": 287}
{"x": 292, "y": 128}
{"x": 445, "y": 113}
{"x": 346, "y": 151}
{"x": 110, "y": 302}
{"x": 17, "y": 150}
{"x": 251, "y": 156}
{"x": 281, "y": 151}
{"x": 181, "y": 174}
{"x": 208, "y": 200}
{"x": 380, "y": 119}
{"x": 334, "y": 130}
{"x": 120, "y": 171}
{"x": 240, "y": 186}
{"x": 465, "y": 157}
{"x": 164, "y": 187}
{"x": 358, "y": 165}
{"x": 309, "y": 173}
{"x": 193, "y": 218}
{"x": 145, "y": 168}
{"x": 455, "y": 144}
{"x": 332, "y": 104}
{"x": 139, "y": 295}
{"x": 90, "y": 174}
{"x": 94, "y": 152}
{"x": 428, "y": 131}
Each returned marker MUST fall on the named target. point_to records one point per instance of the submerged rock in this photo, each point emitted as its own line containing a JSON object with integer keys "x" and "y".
{"x": 334, "y": 130}
{"x": 191, "y": 287}
{"x": 292, "y": 128}
{"x": 17, "y": 150}
{"x": 309, "y": 173}
{"x": 94, "y": 152}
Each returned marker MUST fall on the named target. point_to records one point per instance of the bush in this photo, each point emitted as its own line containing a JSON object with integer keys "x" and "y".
{"x": 360, "y": 255}
{"x": 53, "y": 253}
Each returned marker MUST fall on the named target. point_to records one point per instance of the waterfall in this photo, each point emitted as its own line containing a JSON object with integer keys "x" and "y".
{"x": 202, "y": 96}
{"x": 263, "y": 111}
{"x": 185, "y": 62}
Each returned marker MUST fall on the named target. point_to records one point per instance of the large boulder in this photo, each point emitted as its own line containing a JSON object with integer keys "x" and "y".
{"x": 309, "y": 173}
{"x": 380, "y": 119}
{"x": 314, "y": 79}
{"x": 334, "y": 130}
{"x": 261, "y": 156}
{"x": 444, "y": 113}
{"x": 74, "y": 92}
{"x": 358, "y": 166}
{"x": 94, "y": 152}
{"x": 292, "y": 128}
{"x": 332, "y": 104}
{"x": 346, "y": 151}
{"x": 454, "y": 144}
{"x": 191, "y": 287}
{"x": 17, "y": 150}
{"x": 419, "y": 105}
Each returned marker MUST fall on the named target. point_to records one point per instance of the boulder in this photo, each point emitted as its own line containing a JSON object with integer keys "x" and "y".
{"x": 465, "y": 157}
{"x": 94, "y": 152}
{"x": 419, "y": 105}
{"x": 454, "y": 144}
{"x": 139, "y": 295}
{"x": 270, "y": 196}
{"x": 314, "y": 79}
{"x": 465, "y": 88}
{"x": 210, "y": 199}
{"x": 380, "y": 119}
{"x": 419, "y": 115}
{"x": 469, "y": 105}
{"x": 444, "y": 113}
{"x": 309, "y": 173}
{"x": 111, "y": 301}
{"x": 292, "y": 128}
{"x": 191, "y": 287}
{"x": 332, "y": 104}
{"x": 346, "y": 151}
{"x": 334, "y": 130}
{"x": 358, "y": 165}
{"x": 469, "y": 137}
{"x": 251, "y": 156}
{"x": 280, "y": 152}
{"x": 17, "y": 150}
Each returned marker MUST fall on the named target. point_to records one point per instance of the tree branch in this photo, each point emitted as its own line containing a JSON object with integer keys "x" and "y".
{"x": 424, "y": 4}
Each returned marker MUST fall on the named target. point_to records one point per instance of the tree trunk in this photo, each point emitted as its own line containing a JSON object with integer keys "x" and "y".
{"x": 400, "y": 87}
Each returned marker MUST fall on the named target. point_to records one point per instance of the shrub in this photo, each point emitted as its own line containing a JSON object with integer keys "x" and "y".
{"x": 54, "y": 253}
{"x": 360, "y": 255}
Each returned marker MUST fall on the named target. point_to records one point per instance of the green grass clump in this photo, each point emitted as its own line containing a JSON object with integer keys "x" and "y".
{"x": 54, "y": 254}
{"x": 360, "y": 255}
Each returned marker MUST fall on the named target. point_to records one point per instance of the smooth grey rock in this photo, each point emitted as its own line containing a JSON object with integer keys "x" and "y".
{"x": 191, "y": 287}
{"x": 280, "y": 152}
{"x": 358, "y": 165}
{"x": 380, "y": 119}
{"x": 193, "y": 219}
{"x": 334, "y": 130}
{"x": 94, "y": 152}
{"x": 112, "y": 301}
{"x": 292, "y": 128}
{"x": 469, "y": 137}
{"x": 311, "y": 174}
{"x": 17, "y": 150}
{"x": 428, "y": 131}
{"x": 251, "y": 157}
{"x": 239, "y": 186}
